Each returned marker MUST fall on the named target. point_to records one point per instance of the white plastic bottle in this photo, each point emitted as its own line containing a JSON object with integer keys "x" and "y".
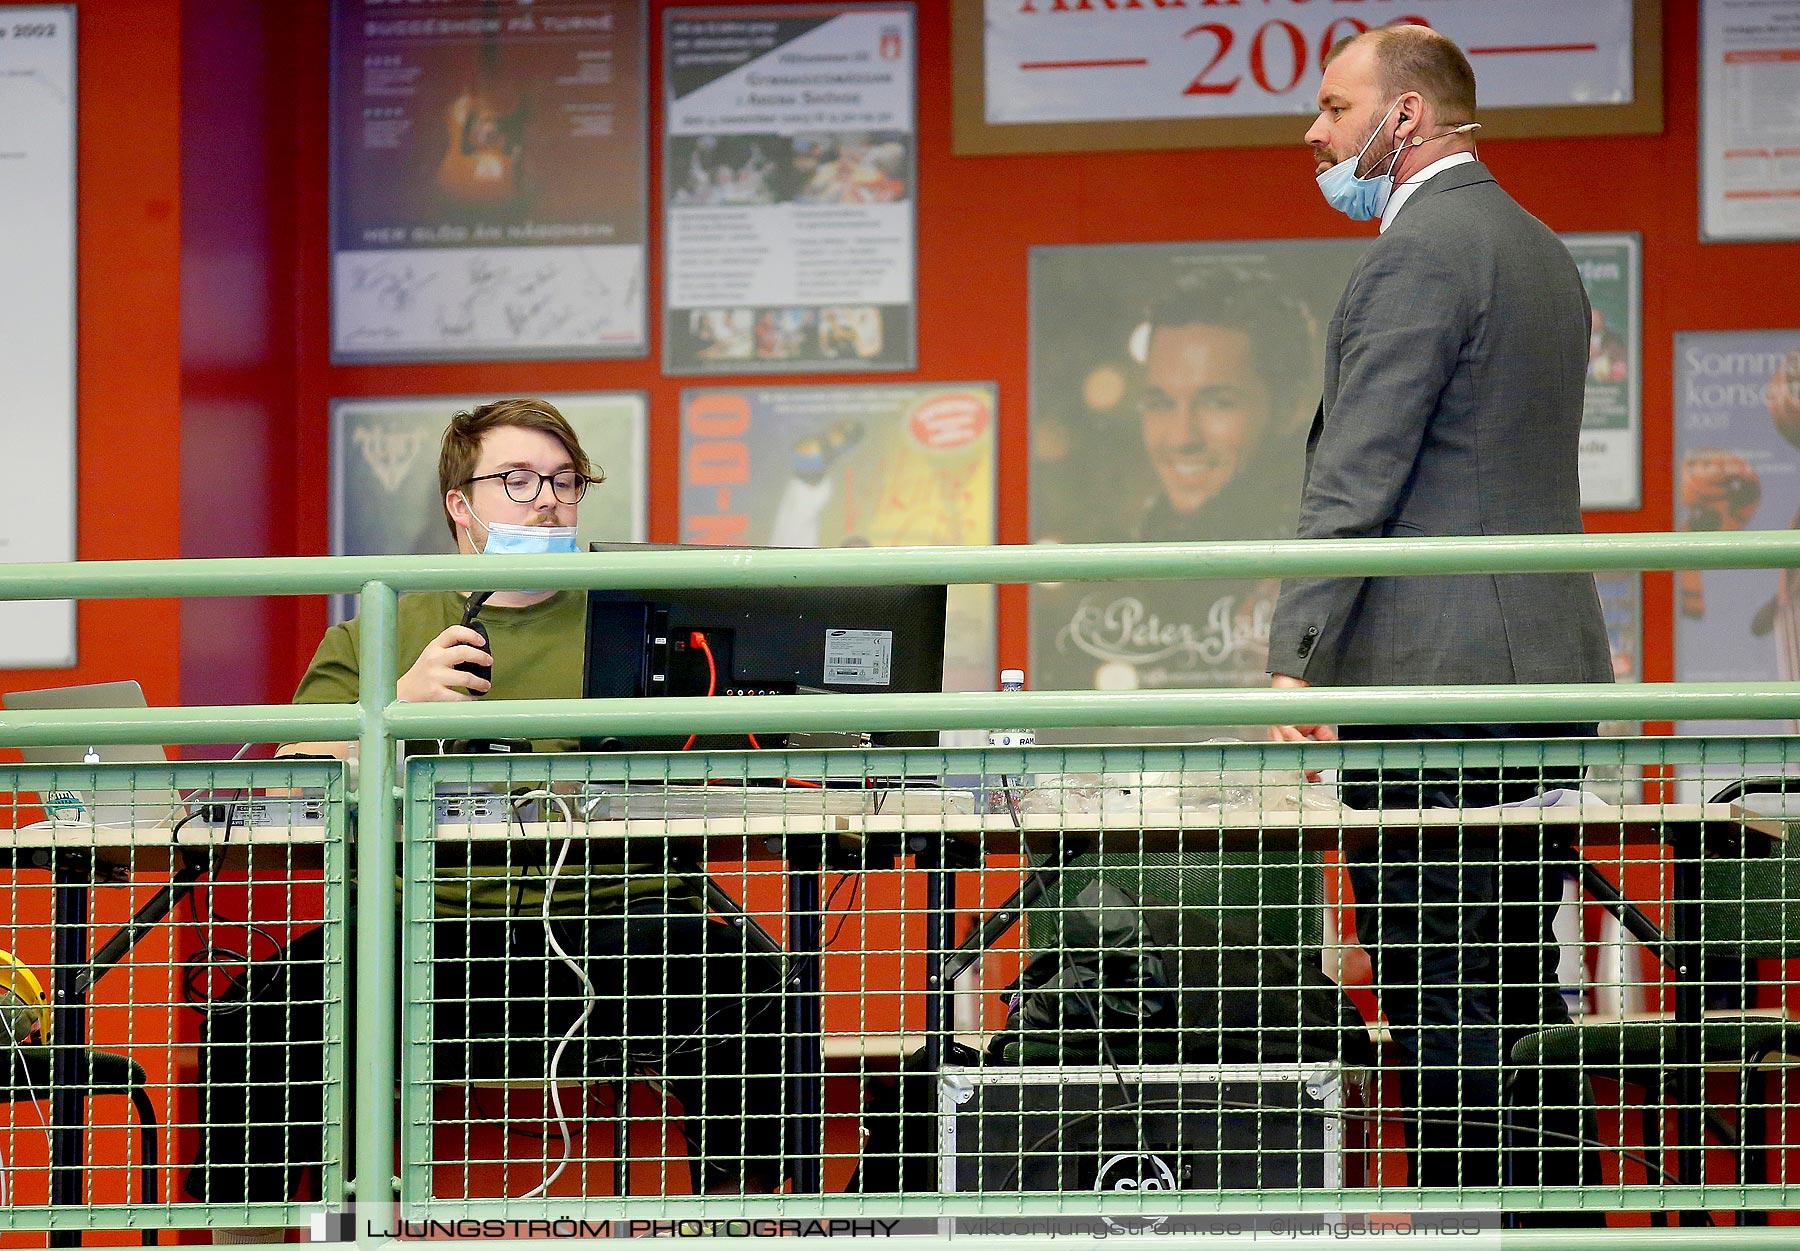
{"x": 1002, "y": 792}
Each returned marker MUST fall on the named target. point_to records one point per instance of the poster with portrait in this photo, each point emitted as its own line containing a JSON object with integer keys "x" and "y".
{"x": 37, "y": 322}
{"x": 488, "y": 180}
{"x": 1749, "y": 128}
{"x": 1172, "y": 387}
{"x": 1611, "y": 436}
{"x": 851, "y": 466}
{"x": 789, "y": 179}
{"x": 1737, "y": 467}
{"x": 384, "y": 472}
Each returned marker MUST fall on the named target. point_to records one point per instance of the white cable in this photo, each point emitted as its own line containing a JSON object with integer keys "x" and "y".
{"x": 588, "y": 995}
{"x": 49, "y": 1143}
{"x": 81, "y": 825}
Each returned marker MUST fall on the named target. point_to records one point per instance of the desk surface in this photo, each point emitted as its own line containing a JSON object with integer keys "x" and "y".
{"x": 1169, "y": 830}
{"x": 1183, "y": 830}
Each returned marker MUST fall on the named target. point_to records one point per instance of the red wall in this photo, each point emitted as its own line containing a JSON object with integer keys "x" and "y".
{"x": 241, "y": 377}
{"x": 129, "y": 453}
{"x": 129, "y": 438}
{"x": 978, "y": 216}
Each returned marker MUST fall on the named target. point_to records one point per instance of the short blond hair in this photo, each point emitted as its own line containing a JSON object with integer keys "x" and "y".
{"x": 461, "y": 450}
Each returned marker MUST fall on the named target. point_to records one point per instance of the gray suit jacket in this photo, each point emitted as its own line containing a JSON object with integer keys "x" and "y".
{"x": 1454, "y": 373}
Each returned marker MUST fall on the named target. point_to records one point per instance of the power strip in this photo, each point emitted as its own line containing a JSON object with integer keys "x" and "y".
{"x": 476, "y": 807}
{"x": 278, "y": 812}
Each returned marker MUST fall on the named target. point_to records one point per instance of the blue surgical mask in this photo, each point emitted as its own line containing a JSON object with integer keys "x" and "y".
{"x": 504, "y": 539}
{"x": 1359, "y": 199}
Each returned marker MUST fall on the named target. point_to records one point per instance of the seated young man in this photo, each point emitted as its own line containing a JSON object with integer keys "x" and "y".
{"x": 676, "y": 991}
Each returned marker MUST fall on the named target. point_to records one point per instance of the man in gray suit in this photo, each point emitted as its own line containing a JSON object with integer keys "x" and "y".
{"x": 1454, "y": 376}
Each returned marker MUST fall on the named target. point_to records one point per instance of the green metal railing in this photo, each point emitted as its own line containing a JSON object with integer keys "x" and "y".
{"x": 378, "y": 723}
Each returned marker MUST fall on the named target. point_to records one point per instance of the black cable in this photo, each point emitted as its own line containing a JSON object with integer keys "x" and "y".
{"x": 147, "y": 1187}
{"x": 203, "y": 965}
{"x": 224, "y": 843}
{"x": 855, "y": 891}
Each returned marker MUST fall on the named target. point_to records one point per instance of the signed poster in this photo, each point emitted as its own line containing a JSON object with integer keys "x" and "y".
{"x": 851, "y": 466}
{"x": 1172, "y": 386}
{"x": 488, "y": 179}
{"x": 384, "y": 472}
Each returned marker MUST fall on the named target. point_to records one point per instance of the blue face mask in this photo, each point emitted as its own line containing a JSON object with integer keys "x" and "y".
{"x": 1359, "y": 199}
{"x": 504, "y": 539}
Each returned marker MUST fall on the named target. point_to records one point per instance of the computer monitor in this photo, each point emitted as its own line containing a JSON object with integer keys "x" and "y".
{"x": 764, "y": 641}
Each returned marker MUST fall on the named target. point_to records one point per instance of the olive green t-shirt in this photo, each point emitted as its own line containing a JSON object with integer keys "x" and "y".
{"x": 538, "y": 652}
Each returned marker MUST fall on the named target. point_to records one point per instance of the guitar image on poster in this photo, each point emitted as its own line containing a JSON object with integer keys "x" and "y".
{"x": 486, "y": 143}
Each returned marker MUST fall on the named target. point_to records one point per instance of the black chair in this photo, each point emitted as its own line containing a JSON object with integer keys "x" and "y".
{"x": 1748, "y": 910}
{"x": 28, "y": 1078}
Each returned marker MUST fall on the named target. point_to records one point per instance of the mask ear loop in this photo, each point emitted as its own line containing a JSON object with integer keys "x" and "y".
{"x": 470, "y": 505}
{"x": 1389, "y": 155}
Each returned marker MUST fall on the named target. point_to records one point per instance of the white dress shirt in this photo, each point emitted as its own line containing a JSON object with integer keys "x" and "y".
{"x": 1405, "y": 189}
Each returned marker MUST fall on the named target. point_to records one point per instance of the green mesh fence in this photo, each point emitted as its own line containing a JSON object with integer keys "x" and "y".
{"x": 1017, "y": 993}
{"x": 1098, "y": 991}
{"x": 141, "y": 1052}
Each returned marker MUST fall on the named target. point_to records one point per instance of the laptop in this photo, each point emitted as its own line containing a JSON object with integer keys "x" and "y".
{"x": 141, "y": 805}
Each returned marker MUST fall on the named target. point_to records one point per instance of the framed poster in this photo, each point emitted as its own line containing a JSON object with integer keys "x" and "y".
{"x": 851, "y": 466}
{"x": 37, "y": 320}
{"x": 1172, "y": 387}
{"x": 1622, "y": 608}
{"x": 1749, "y": 130}
{"x": 1737, "y": 467}
{"x": 1055, "y": 76}
{"x": 488, "y": 180}
{"x": 789, "y": 179}
{"x": 1611, "y": 419}
{"x": 384, "y": 472}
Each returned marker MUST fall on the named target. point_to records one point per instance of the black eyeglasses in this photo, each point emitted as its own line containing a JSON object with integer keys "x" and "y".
{"x": 523, "y": 486}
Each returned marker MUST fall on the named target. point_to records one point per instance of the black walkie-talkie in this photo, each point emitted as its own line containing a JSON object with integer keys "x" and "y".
{"x": 476, "y": 600}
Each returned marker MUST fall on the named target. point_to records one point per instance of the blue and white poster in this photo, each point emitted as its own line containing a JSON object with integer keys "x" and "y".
{"x": 789, "y": 180}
